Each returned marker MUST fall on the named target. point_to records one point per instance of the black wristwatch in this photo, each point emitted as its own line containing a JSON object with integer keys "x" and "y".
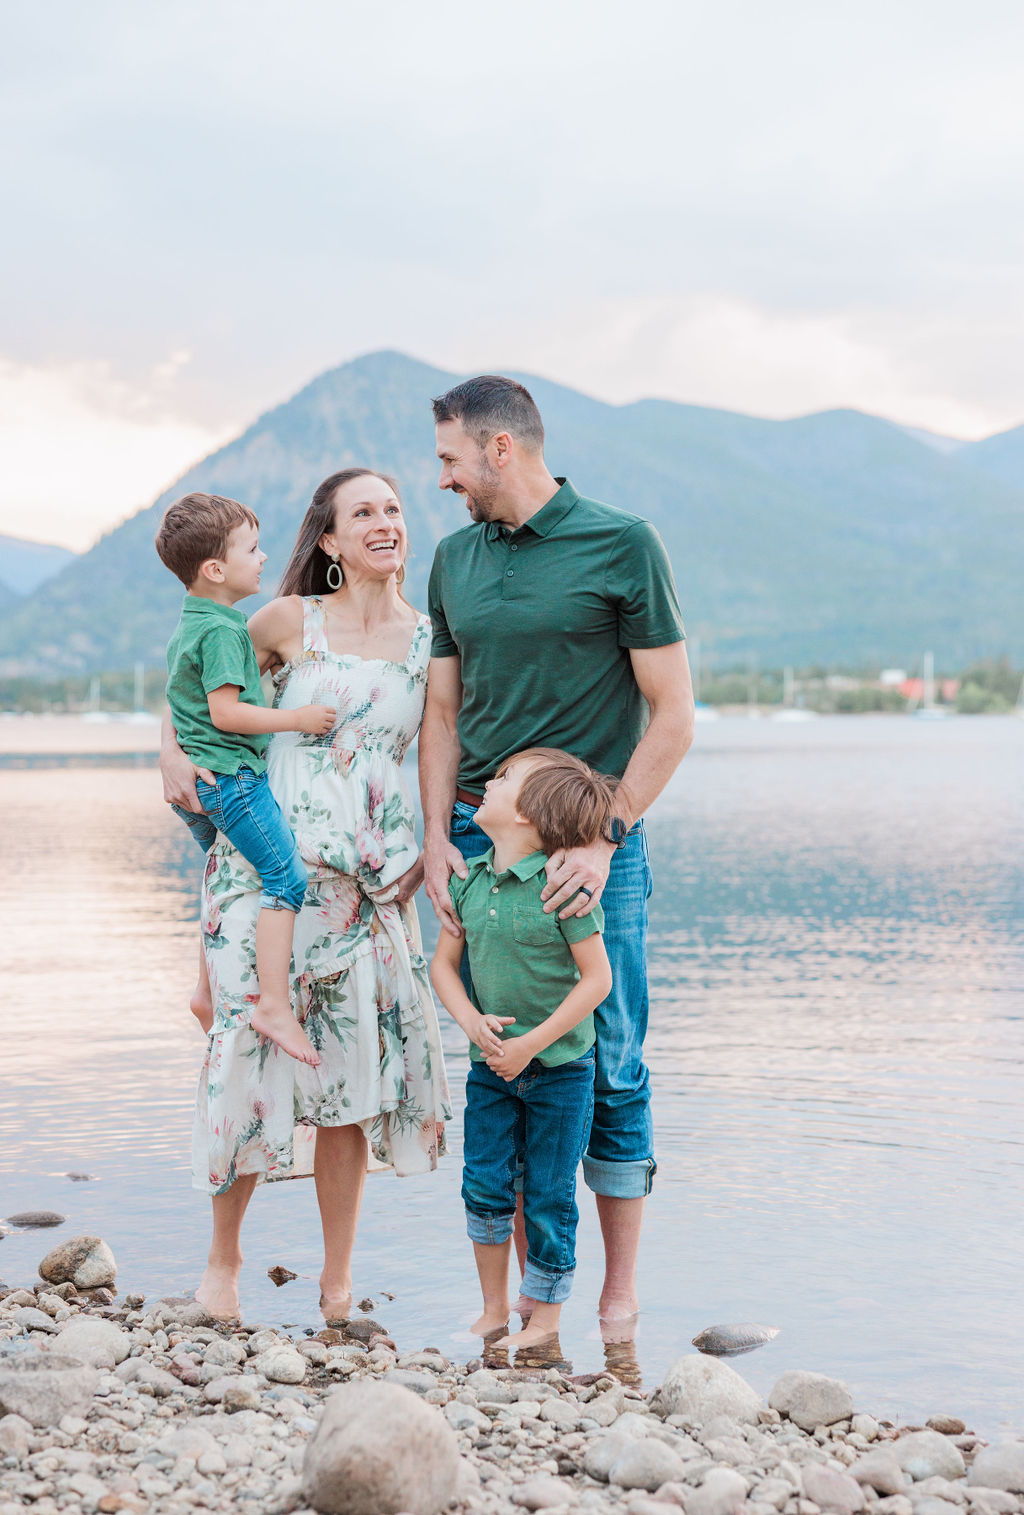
{"x": 616, "y": 834}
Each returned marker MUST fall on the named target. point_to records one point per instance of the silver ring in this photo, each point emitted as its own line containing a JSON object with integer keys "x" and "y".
{"x": 588, "y": 892}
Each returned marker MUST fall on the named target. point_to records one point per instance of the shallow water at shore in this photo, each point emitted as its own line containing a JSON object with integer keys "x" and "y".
{"x": 837, "y": 1042}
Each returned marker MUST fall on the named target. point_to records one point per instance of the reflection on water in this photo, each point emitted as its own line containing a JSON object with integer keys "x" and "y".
{"x": 836, "y": 1045}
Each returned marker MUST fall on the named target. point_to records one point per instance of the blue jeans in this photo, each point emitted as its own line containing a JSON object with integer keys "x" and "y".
{"x": 243, "y": 808}
{"x": 619, "y": 1160}
{"x": 544, "y": 1114}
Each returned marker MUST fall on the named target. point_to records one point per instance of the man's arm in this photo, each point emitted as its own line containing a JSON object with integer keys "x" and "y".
{"x": 663, "y": 676}
{"x": 439, "y": 771}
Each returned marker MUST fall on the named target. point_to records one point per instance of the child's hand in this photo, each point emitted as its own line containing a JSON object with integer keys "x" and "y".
{"x": 487, "y": 1033}
{"x": 510, "y": 1060}
{"x": 317, "y": 720}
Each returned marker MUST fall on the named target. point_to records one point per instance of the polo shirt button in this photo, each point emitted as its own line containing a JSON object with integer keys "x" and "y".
{"x": 515, "y": 546}
{"x": 510, "y": 573}
{"x": 495, "y": 889}
{"x": 494, "y": 912}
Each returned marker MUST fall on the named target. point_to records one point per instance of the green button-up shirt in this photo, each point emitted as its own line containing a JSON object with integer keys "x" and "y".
{"x": 212, "y": 647}
{"x": 518, "y": 956}
{"x": 543, "y": 619}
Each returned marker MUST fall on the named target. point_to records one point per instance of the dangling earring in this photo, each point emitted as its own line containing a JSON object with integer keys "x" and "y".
{"x": 400, "y": 575}
{"x": 335, "y": 577}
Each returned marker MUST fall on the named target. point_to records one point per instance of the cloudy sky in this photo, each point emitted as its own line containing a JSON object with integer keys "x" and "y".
{"x": 774, "y": 206}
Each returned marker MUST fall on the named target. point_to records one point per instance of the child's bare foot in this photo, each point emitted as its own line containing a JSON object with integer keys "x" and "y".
{"x": 541, "y": 1325}
{"x": 279, "y": 1024}
{"x": 218, "y": 1292}
{"x": 201, "y": 1005}
{"x": 493, "y": 1322}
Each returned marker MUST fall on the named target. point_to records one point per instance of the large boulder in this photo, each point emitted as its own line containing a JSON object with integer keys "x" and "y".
{"x": 379, "y": 1450}
{"x": 701, "y": 1387}
{"x": 999, "y": 1467}
{"x": 928, "y": 1454}
{"x": 85, "y": 1261}
{"x": 811, "y": 1399}
{"x": 43, "y": 1387}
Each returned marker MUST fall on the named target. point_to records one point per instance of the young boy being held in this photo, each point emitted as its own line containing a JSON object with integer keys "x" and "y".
{"x": 213, "y": 689}
{"x": 536, "y": 982}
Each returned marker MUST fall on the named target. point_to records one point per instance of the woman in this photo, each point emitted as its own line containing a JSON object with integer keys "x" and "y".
{"x": 341, "y": 634}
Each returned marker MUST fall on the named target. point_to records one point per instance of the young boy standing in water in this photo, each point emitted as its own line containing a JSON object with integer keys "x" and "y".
{"x": 536, "y": 982}
{"x": 213, "y": 688}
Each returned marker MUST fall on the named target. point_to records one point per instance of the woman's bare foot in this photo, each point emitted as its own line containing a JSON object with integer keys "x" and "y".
{"x": 218, "y": 1292}
{"x": 493, "y": 1322}
{"x": 201, "y": 1005}
{"x": 336, "y": 1311}
{"x": 279, "y": 1024}
{"x": 524, "y": 1308}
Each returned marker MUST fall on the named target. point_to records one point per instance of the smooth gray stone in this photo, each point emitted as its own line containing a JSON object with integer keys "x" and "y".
{"x": 928, "y": 1454}
{"x": 85, "y": 1261}
{"x": 811, "y": 1399}
{"x": 732, "y": 1340}
{"x": 702, "y": 1387}
{"x": 43, "y": 1387}
{"x": 999, "y": 1467}
{"x": 647, "y": 1464}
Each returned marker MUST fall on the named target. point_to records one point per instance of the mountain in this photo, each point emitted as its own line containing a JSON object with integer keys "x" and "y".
{"x": 834, "y": 538}
{"x": 26, "y": 565}
{"x": 1001, "y": 456}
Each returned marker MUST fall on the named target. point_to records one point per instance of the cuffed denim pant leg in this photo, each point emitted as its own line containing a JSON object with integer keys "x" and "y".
{"x": 242, "y": 807}
{"x": 546, "y": 1114}
{"x": 619, "y": 1160}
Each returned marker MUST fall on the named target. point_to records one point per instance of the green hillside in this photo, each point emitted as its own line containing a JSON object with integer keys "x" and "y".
{"x": 835, "y": 538}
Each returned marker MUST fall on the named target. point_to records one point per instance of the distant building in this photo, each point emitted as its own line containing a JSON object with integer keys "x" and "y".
{"x": 892, "y": 678}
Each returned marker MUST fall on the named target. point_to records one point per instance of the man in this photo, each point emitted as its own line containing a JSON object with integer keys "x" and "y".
{"x": 556, "y": 624}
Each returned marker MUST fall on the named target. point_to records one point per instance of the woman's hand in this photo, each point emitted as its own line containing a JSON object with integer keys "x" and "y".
{"x": 179, "y": 777}
{"x": 410, "y": 881}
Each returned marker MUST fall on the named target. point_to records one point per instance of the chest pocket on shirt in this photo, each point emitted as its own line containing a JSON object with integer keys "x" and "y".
{"x": 533, "y": 929}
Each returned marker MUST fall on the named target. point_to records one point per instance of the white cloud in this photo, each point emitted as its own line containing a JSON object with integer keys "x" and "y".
{"x": 82, "y": 449}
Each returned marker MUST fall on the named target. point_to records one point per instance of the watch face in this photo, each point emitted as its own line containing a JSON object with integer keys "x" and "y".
{"x": 618, "y": 830}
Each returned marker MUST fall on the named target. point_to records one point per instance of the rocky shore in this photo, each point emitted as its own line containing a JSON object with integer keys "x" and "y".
{"x": 111, "y": 1403}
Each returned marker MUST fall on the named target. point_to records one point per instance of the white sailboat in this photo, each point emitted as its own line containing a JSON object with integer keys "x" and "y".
{"x": 791, "y": 711}
{"x": 928, "y": 710}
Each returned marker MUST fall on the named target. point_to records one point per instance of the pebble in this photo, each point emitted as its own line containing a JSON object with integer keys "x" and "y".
{"x": 646, "y": 1464}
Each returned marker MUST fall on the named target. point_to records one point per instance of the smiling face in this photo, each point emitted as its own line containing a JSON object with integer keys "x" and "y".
{"x": 369, "y": 532}
{"x": 498, "y": 812}
{"x": 242, "y": 563}
{"x": 467, "y": 470}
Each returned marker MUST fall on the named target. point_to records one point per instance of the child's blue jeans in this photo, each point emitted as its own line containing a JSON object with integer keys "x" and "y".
{"x": 242, "y": 806}
{"x": 545, "y": 1115}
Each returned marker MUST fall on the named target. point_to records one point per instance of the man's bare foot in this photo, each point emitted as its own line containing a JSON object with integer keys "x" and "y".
{"x": 336, "y": 1310}
{"x": 279, "y": 1024}
{"x": 523, "y": 1308}
{"x": 201, "y": 1005}
{"x": 612, "y": 1307}
{"x": 218, "y": 1292}
{"x": 493, "y": 1322}
{"x": 618, "y": 1329}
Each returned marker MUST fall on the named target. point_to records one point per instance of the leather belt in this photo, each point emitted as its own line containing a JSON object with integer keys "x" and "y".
{"x": 469, "y": 799}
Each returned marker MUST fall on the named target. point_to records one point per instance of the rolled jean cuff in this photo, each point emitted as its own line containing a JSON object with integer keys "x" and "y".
{"x": 278, "y": 902}
{"x": 629, "y": 1180}
{"x": 491, "y": 1230}
{"x": 546, "y": 1288}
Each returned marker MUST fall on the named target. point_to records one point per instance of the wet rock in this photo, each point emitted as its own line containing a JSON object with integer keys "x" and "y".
{"x": 97, "y": 1342}
{"x": 731, "y": 1341}
{"x": 543, "y": 1492}
{"x": 379, "y": 1448}
{"x": 36, "y": 1219}
{"x": 879, "y": 1470}
{"x": 85, "y": 1261}
{"x": 80, "y": 1178}
{"x": 280, "y": 1276}
{"x": 927, "y": 1454}
{"x": 811, "y": 1399}
{"x": 362, "y": 1330}
{"x": 831, "y": 1489}
{"x": 177, "y": 1310}
{"x": 999, "y": 1467}
{"x": 44, "y": 1387}
{"x": 282, "y": 1364}
{"x": 947, "y": 1425}
{"x": 700, "y": 1387}
{"x": 366, "y": 1305}
{"x": 719, "y": 1494}
{"x": 646, "y": 1464}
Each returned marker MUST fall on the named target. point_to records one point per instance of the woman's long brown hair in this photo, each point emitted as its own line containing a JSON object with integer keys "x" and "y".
{"x": 306, "y": 571}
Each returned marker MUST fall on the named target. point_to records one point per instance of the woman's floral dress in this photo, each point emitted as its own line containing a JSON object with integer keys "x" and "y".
{"x": 359, "y": 981}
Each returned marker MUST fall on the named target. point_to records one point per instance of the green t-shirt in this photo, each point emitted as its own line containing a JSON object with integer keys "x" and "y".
{"x": 211, "y": 647}
{"x": 518, "y": 956}
{"x": 543, "y": 619}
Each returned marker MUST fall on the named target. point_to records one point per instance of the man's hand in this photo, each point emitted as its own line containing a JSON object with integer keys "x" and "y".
{"x": 486, "y": 1034}
{"x": 315, "y": 720}
{"x": 510, "y": 1060}
{"x": 179, "y": 775}
{"x": 440, "y": 861}
{"x": 573, "y": 869}
{"x": 409, "y": 883}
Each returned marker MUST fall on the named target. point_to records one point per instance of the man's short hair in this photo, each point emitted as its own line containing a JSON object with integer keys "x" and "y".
{"x": 490, "y": 404}
{"x": 565, "y": 801}
{"x": 196, "y": 528}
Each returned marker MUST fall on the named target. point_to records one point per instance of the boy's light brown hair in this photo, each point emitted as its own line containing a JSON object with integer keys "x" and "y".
{"x": 565, "y": 801}
{"x": 196, "y": 528}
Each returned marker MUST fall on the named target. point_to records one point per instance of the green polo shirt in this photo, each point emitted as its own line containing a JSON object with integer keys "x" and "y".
{"x": 212, "y": 647}
{"x": 543, "y": 619}
{"x": 518, "y": 956}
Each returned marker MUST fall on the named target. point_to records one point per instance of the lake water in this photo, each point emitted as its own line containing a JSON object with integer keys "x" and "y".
{"x": 837, "y": 1046}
